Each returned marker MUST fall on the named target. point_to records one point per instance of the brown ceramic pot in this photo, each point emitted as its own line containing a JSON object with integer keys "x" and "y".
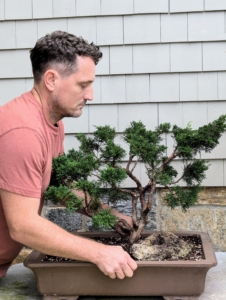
{"x": 67, "y": 280}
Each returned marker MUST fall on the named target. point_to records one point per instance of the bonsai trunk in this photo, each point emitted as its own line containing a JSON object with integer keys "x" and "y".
{"x": 138, "y": 226}
{"x": 136, "y": 233}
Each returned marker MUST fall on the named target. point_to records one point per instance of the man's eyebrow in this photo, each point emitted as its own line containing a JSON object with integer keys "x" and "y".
{"x": 86, "y": 81}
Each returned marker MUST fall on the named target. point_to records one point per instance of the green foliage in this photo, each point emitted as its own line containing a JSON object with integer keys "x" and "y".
{"x": 163, "y": 128}
{"x": 62, "y": 194}
{"x": 87, "y": 144}
{"x": 112, "y": 153}
{"x": 74, "y": 170}
{"x": 104, "y": 133}
{"x": 146, "y": 143}
{"x": 92, "y": 189}
{"x": 194, "y": 172}
{"x": 67, "y": 168}
{"x": 63, "y": 169}
{"x": 166, "y": 176}
{"x": 73, "y": 204}
{"x": 103, "y": 219}
{"x": 180, "y": 196}
{"x": 71, "y": 167}
{"x": 112, "y": 176}
{"x": 206, "y": 138}
{"x": 97, "y": 167}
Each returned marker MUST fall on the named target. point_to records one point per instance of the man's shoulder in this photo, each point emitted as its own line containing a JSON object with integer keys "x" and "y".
{"x": 22, "y": 111}
{"x": 26, "y": 100}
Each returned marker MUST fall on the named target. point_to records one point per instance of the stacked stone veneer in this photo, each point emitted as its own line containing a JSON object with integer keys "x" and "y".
{"x": 60, "y": 216}
{"x": 208, "y": 215}
{"x": 75, "y": 221}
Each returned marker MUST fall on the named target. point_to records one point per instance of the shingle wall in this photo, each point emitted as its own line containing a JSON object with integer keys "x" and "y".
{"x": 164, "y": 61}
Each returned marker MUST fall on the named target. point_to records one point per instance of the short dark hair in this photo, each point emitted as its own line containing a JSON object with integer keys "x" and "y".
{"x": 59, "y": 50}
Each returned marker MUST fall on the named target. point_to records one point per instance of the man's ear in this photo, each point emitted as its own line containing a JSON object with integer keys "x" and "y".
{"x": 50, "y": 77}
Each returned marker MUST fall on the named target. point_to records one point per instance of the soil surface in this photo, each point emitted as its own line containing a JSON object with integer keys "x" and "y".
{"x": 196, "y": 253}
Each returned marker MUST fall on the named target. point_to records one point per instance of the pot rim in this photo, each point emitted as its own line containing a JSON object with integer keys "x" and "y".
{"x": 34, "y": 259}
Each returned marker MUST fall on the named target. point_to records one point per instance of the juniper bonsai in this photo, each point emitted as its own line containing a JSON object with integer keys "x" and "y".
{"x": 98, "y": 169}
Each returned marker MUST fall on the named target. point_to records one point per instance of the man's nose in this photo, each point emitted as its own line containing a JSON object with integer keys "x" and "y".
{"x": 89, "y": 93}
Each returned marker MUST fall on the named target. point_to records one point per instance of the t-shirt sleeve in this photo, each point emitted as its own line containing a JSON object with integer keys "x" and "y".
{"x": 22, "y": 162}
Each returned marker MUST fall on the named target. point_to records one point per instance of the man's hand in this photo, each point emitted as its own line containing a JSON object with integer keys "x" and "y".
{"x": 26, "y": 227}
{"x": 122, "y": 227}
{"x": 128, "y": 220}
{"x": 114, "y": 262}
{"x": 119, "y": 215}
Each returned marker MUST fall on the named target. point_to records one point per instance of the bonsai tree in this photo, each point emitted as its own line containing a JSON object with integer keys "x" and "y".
{"x": 98, "y": 169}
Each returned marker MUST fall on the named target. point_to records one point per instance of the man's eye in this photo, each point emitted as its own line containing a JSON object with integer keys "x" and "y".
{"x": 84, "y": 85}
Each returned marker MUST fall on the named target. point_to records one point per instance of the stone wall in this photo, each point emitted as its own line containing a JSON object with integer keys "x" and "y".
{"x": 60, "y": 216}
{"x": 208, "y": 215}
{"x": 77, "y": 222}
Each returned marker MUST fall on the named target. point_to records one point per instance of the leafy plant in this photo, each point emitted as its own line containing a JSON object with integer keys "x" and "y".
{"x": 97, "y": 168}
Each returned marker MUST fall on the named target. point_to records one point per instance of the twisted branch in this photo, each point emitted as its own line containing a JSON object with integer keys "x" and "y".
{"x": 135, "y": 165}
{"x": 170, "y": 158}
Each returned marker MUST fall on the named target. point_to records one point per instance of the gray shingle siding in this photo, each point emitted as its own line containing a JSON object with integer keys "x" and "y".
{"x": 164, "y": 61}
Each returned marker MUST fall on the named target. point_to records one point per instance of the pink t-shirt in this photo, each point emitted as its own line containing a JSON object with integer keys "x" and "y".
{"x": 27, "y": 144}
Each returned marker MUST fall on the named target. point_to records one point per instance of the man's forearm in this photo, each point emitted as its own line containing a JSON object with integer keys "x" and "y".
{"x": 48, "y": 238}
{"x": 28, "y": 228}
{"x": 114, "y": 212}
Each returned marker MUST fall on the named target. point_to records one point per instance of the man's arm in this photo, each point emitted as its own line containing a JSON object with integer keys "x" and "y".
{"x": 114, "y": 212}
{"x": 28, "y": 228}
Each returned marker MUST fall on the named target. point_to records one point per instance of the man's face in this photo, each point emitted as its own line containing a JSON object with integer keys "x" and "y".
{"x": 72, "y": 92}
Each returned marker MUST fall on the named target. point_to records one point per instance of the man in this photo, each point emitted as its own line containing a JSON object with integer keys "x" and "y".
{"x": 31, "y": 133}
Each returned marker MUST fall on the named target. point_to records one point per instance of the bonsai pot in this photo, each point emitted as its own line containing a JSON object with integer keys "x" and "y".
{"x": 68, "y": 280}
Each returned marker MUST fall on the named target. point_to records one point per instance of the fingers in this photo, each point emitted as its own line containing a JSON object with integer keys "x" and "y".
{"x": 132, "y": 264}
{"x": 116, "y": 263}
{"x": 120, "y": 275}
{"x": 124, "y": 270}
{"x": 112, "y": 275}
{"x": 128, "y": 270}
